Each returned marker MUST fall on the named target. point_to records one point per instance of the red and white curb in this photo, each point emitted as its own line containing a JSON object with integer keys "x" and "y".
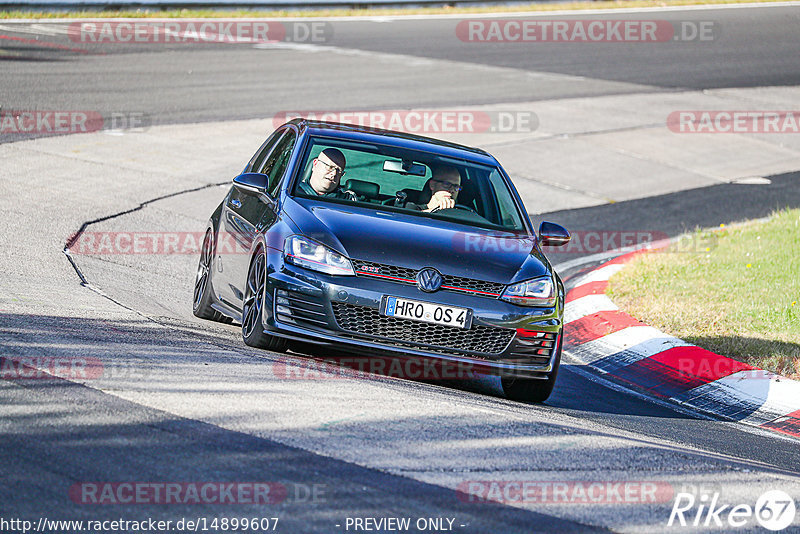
{"x": 614, "y": 343}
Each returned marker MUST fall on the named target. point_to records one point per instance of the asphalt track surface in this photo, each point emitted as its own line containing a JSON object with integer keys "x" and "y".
{"x": 206, "y": 407}
{"x": 190, "y": 83}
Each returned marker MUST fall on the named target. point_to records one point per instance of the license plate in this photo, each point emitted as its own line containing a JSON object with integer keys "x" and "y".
{"x": 427, "y": 312}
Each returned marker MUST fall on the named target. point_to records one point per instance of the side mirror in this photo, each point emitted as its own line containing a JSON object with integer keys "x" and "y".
{"x": 255, "y": 182}
{"x": 553, "y": 234}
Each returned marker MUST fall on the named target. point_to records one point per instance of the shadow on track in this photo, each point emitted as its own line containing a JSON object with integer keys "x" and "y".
{"x": 58, "y": 434}
{"x": 677, "y": 213}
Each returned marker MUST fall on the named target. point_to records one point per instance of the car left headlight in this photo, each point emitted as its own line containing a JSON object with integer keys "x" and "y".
{"x": 536, "y": 292}
{"x": 304, "y": 252}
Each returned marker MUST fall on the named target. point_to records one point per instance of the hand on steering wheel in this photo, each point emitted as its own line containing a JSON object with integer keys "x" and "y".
{"x": 441, "y": 200}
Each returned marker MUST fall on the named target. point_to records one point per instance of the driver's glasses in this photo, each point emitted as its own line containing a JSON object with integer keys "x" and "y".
{"x": 452, "y": 186}
{"x": 332, "y": 169}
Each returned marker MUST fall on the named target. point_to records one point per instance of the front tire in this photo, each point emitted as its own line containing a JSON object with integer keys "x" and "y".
{"x": 252, "y": 325}
{"x": 531, "y": 389}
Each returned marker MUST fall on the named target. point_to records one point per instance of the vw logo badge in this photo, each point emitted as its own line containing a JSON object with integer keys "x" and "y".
{"x": 429, "y": 280}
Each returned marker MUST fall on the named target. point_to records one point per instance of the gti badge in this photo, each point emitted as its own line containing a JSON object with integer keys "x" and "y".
{"x": 429, "y": 280}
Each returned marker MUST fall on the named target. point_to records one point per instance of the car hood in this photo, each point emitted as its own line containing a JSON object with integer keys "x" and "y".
{"x": 412, "y": 241}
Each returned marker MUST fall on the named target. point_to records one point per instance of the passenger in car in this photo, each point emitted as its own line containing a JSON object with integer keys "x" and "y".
{"x": 327, "y": 170}
{"x": 441, "y": 191}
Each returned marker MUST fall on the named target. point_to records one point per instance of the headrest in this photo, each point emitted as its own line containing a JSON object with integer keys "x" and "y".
{"x": 360, "y": 187}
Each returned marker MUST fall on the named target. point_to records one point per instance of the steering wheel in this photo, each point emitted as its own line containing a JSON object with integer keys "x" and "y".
{"x": 457, "y": 206}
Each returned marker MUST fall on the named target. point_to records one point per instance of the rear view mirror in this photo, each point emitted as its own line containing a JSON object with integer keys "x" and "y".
{"x": 553, "y": 234}
{"x": 404, "y": 167}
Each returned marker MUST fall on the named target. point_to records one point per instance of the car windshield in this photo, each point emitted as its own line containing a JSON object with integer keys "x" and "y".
{"x": 392, "y": 178}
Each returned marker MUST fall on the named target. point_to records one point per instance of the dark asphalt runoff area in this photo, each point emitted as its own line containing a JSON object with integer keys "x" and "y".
{"x": 55, "y": 434}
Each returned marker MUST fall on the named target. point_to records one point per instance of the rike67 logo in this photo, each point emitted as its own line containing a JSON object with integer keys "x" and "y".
{"x": 774, "y": 510}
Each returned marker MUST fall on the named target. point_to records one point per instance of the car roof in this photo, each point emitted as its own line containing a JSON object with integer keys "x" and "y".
{"x": 400, "y": 139}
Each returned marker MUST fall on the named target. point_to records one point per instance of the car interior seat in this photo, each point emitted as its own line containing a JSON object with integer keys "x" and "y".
{"x": 369, "y": 190}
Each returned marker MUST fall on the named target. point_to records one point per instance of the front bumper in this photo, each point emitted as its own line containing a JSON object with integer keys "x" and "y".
{"x": 344, "y": 311}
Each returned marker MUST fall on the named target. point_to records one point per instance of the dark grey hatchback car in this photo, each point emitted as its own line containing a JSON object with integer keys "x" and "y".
{"x": 371, "y": 269}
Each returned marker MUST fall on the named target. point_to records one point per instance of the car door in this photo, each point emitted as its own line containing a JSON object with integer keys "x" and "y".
{"x": 252, "y": 214}
{"x": 232, "y": 240}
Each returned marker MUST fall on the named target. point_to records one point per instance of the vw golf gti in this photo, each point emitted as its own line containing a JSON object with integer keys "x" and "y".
{"x": 385, "y": 244}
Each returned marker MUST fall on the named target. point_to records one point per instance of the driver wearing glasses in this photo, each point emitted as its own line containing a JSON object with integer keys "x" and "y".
{"x": 442, "y": 189}
{"x": 326, "y": 173}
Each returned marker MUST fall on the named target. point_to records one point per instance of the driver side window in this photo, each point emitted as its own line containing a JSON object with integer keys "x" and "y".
{"x": 276, "y": 163}
{"x": 258, "y": 159}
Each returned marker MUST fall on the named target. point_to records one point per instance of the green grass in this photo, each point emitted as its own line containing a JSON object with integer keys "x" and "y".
{"x": 372, "y": 12}
{"x": 732, "y": 290}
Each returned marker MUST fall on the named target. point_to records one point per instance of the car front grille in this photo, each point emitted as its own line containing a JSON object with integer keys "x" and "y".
{"x": 457, "y": 283}
{"x": 405, "y": 275}
{"x": 368, "y": 322}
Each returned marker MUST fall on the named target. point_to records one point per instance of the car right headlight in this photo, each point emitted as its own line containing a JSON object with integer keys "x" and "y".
{"x": 304, "y": 252}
